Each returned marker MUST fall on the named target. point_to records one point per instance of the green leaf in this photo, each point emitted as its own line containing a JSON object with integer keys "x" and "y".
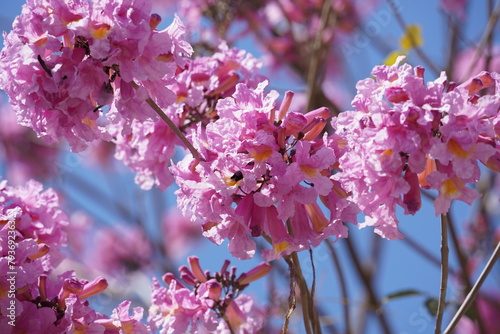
{"x": 432, "y": 306}
{"x": 399, "y": 294}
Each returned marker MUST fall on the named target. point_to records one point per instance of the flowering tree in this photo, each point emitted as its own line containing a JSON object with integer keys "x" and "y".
{"x": 275, "y": 174}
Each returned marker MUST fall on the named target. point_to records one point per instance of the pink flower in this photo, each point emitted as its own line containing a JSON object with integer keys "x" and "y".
{"x": 150, "y": 145}
{"x": 25, "y": 155}
{"x": 179, "y": 309}
{"x": 120, "y": 250}
{"x": 121, "y": 322}
{"x": 55, "y": 307}
{"x": 63, "y": 62}
{"x": 32, "y": 219}
{"x": 260, "y": 164}
{"x": 489, "y": 311}
{"x": 455, "y": 7}
{"x": 404, "y": 135}
{"x": 179, "y": 233}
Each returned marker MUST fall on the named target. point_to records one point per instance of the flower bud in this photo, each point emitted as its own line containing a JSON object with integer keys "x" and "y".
{"x": 316, "y": 216}
{"x": 412, "y": 198}
{"x": 154, "y": 21}
{"x": 419, "y": 71}
{"x": 98, "y": 285}
{"x": 314, "y": 128}
{"x": 187, "y": 276}
{"x": 294, "y": 123}
{"x": 322, "y": 112}
{"x": 254, "y": 274}
{"x": 285, "y": 105}
{"x": 194, "y": 264}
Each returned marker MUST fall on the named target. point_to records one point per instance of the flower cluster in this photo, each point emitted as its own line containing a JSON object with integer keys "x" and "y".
{"x": 150, "y": 146}
{"x": 25, "y": 155}
{"x": 261, "y": 173}
{"x": 213, "y": 297}
{"x": 64, "y": 61}
{"x": 404, "y": 135}
{"x": 61, "y": 307}
{"x": 32, "y": 220}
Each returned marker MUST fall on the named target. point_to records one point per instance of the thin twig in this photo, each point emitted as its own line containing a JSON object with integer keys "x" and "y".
{"x": 292, "y": 301}
{"x": 489, "y": 41}
{"x": 171, "y": 125}
{"x": 316, "y": 54}
{"x": 304, "y": 294}
{"x": 463, "y": 266}
{"x": 475, "y": 289}
{"x": 343, "y": 286}
{"x": 367, "y": 282}
{"x": 444, "y": 274}
{"x": 454, "y": 28}
{"x": 313, "y": 286}
{"x": 488, "y": 32}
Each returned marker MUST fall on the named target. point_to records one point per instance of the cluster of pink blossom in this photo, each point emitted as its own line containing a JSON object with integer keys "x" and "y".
{"x": 32, "y": 220}
{"x": 404, "y": 135}
{"x": 33, "y": 228}
{"x": 212, "y": 298}
{"x": 61, "y": 307}
{"x": 261, "y": 172}
{"x": 25, "y": 155}
{"x": 119, "y": 250}
{"x": 63, "y": 62}
{"x": 150, "y": 146}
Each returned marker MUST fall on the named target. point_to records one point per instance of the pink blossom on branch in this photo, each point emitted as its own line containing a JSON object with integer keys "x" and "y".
{"x": 25, "y": 156}
{"x": 33, "y": 217}
{"x": 263, "y": 166}
{"x": 63, "y": 62}
{"x": 206, "y": 302}
{"x": 62, "y": 307}
{"x": 404, "y": 135}
{"x": 150, "y": 145}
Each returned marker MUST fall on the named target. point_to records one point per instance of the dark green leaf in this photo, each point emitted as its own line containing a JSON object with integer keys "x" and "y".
{"x": 432, "y": 306}
{"x": 399, "y": 294}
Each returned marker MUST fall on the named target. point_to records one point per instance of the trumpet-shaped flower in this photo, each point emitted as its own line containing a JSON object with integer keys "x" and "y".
{"x": 404, "y": 135}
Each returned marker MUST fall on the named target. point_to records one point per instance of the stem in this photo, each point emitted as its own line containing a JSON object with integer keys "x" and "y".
{"x": 454, "y": 29}
{"x": 475, "y": 289}
{"x": 367, "y": 281}
{"x": 444, "y": 274}
{"x": 343, "y": 286}
{"x": 316, "y": 54}
{"x": 463, "y": 266}
{"x": 304, "y": 295}
{"x": 292, "y": 301}
{"x": 171, "y": 125}
{"x": 488, "y": 33}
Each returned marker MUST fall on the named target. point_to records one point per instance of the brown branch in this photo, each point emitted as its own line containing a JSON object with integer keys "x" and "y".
{"x": 475, "y": 289}
{"x": 444, "y": 274}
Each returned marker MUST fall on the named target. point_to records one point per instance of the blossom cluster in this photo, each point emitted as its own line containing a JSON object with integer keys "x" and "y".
{"x": 71, "y": 68}
{"x": 61, "y": 307}
{"x": 262, "y": 172}
{"x": 33, "y": 229}
{"x": 150, "y": 146}
{"x": 204, "y": 299}
{"x": 40, "y": 230}
{"x": 404, "y": 135}
{"x": 25, "y": 155}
